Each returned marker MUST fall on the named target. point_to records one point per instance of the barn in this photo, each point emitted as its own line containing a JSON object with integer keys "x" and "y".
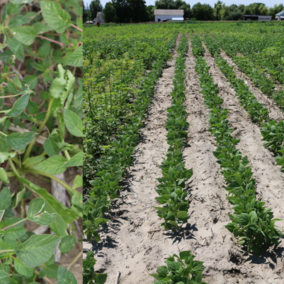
{"x": 280, "y": 16}
{"x": 168, "y": 15}
{"x": 257, "y": 18}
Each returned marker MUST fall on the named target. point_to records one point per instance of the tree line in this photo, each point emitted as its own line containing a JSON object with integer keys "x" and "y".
{"x": 127, "y": 11}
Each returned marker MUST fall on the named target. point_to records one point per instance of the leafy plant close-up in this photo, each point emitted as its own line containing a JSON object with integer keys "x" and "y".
{"x": 41, "y": 155}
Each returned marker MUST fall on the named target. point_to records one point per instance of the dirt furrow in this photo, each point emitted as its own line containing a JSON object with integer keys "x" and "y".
{"x": 274, "y": 111}
{"x": 209, "y": 208}
{"x": 134, "y": 248}
{"x": 270, "y": 180}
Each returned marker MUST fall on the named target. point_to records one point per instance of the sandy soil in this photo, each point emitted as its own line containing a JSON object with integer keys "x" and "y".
{"x": 134, "y": 243}
{"x": 270, "y": 180}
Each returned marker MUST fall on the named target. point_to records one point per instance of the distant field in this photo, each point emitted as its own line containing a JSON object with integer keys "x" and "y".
{"x": 184, "y": 150}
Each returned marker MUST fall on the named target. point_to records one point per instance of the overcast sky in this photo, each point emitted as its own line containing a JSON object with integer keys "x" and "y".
{"x": 211, "y": 2}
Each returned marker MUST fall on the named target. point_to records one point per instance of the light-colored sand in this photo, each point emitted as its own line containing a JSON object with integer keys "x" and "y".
{"x": 134, "y": 243}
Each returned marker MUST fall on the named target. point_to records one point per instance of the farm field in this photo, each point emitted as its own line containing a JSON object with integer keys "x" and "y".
{"x": 184, "y": 153}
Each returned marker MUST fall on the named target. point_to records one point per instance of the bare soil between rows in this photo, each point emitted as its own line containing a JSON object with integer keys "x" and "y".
{"x": 133, "y": 242}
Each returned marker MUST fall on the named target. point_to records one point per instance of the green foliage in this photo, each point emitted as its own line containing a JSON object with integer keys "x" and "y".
{"x": 180, "y": 269}
{"x": 252, "y": 223}
{"x": 40, "y": 116}
{"x": 172, "y": 186}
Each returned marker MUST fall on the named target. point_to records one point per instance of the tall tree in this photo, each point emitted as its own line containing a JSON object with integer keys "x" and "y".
{"x": 138, "y": 11}
{"x": 95, "y": 7}
{"x": 217, "y": 8}
{"x": 109, "y": 13}
{"x": 202, "y": 12}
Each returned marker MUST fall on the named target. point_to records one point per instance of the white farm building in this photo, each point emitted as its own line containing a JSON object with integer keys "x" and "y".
{"x": 280, "y": 16}
{"x": 168, "y": 15}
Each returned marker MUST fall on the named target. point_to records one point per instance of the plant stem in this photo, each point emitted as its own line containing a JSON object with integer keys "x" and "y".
{"x": 74, "y": 260}
{"x": 67, "y": 155}
{"x": 14, "y": 224}
{"x": 3, "y": 133}
{"x": 48, "y": 113}
{"x": 13, "y": 167}
{"x": 70, "y": 189}
{"x": 51, "y": 40}
{"x": 77, "y": 28}
{"x": 6, "y": 250}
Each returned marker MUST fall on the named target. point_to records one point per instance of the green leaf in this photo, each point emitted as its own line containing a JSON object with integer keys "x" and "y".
{"x": 43, "y": 219}
{"x": 19, "y": 106}
{"x": 67, "y": 244}
{"x": 64, "y": 215}
{"x": 162, "y": 271}
{"x": 50, "y": 147}
{"x": 75, "y": 58}
{"x": 182, "y": 215}
{"x": 23, "y": 269}
{"x": 73, "y": 123}
{"x": 42, "y": 28}
{"x": 30, "y": 162}
{"x": 3, "y": 175}
{"x": 24, "y": 34}
{"x": 76, "y": 160}
{"x": 100, "y": 278}
{"x": 17, "y": 48}
{"x": 37, "y": 249}
{"x": 5, "y": 198}
{"x": 18, "y": 141}
{"x": 64, "y": 276}
{"x": 35, "y": 207}
{"x": 54, "y": 165}
{"x": 2, "y": 46}
{"x": 4, "y": 156}
{"x": 15, "y": 233}
{"x": 78, "y": 181}
{"x": 4, "y": 275}
{"x": 44, "y": 50}
{"x": 18, "y": 197}
{"x": 55, "y": 16}
{"x": 31, "y": 81}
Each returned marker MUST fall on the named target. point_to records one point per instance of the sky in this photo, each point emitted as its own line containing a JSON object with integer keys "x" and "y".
{"x": 268, "y": 3}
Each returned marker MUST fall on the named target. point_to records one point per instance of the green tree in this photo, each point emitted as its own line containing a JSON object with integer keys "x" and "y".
{"x": 109, "y": 12}
{"x": 95, "y": 7}
{"x": 217, "y": 9}
{"x": 202, "y": 12}
{"x": 138, "y": 11}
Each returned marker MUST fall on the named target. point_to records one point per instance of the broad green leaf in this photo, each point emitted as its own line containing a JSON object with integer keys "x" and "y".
{"x": 67, "y": 244}
{"x": 76, "y": 160}
{"x": 2, "y": 46}
{"x": 42, "y": 28}
{"x": 64, "y": 276}
{"x": 5, "y": 198}
{"x": 31, "y": 162}
{"x": 100, "y": 278}
{"x": 35, "y": 207}
{"x": 162, "y": 271}
{"x": 182, "y": 215}
{"x": 31, "y": 81}
{"x": 3, "y": 175}
{"x": 19, "y": 20}
{"x": 4, "y": 156}
{"x": 14, "y": 233}
{"x": 23, "y": 269}
{"x": 64, "y": 215}
{"x": 50, "y": 147}
{"x": 43, "y": 219}
{"x": 37, "y": 249}
{"x": 44, "y": 50}
{"x": 55, "y": 16}
{"x": 18, "y": 141}
{"x": 78, "y": 182}
{"x": 73, "y": 123}
{"x": 24, "y": 34}
{"x": 76, "y": 58}
{"x": 4, "y": 275}
{"x": 18, "y": 197}
{"x": 54, "y": 165}
{"x": 19, "y": 106}
{"x": 16, "y": 47}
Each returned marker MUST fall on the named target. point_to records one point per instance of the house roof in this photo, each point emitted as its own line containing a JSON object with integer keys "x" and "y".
{"x": 160, "y": 12}
{"x": 280, "y": 13}
{"x": 257, "y": 16}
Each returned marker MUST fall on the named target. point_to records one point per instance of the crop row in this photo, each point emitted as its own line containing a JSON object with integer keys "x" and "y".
{"x": 272, "y": 132}
{"x": 173, "y": 187}
{"x": 111, "y": 85}
{"x": 256, "y": 71}
{"x": 252, "y": 223}
{"x": 118, "y": 158}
